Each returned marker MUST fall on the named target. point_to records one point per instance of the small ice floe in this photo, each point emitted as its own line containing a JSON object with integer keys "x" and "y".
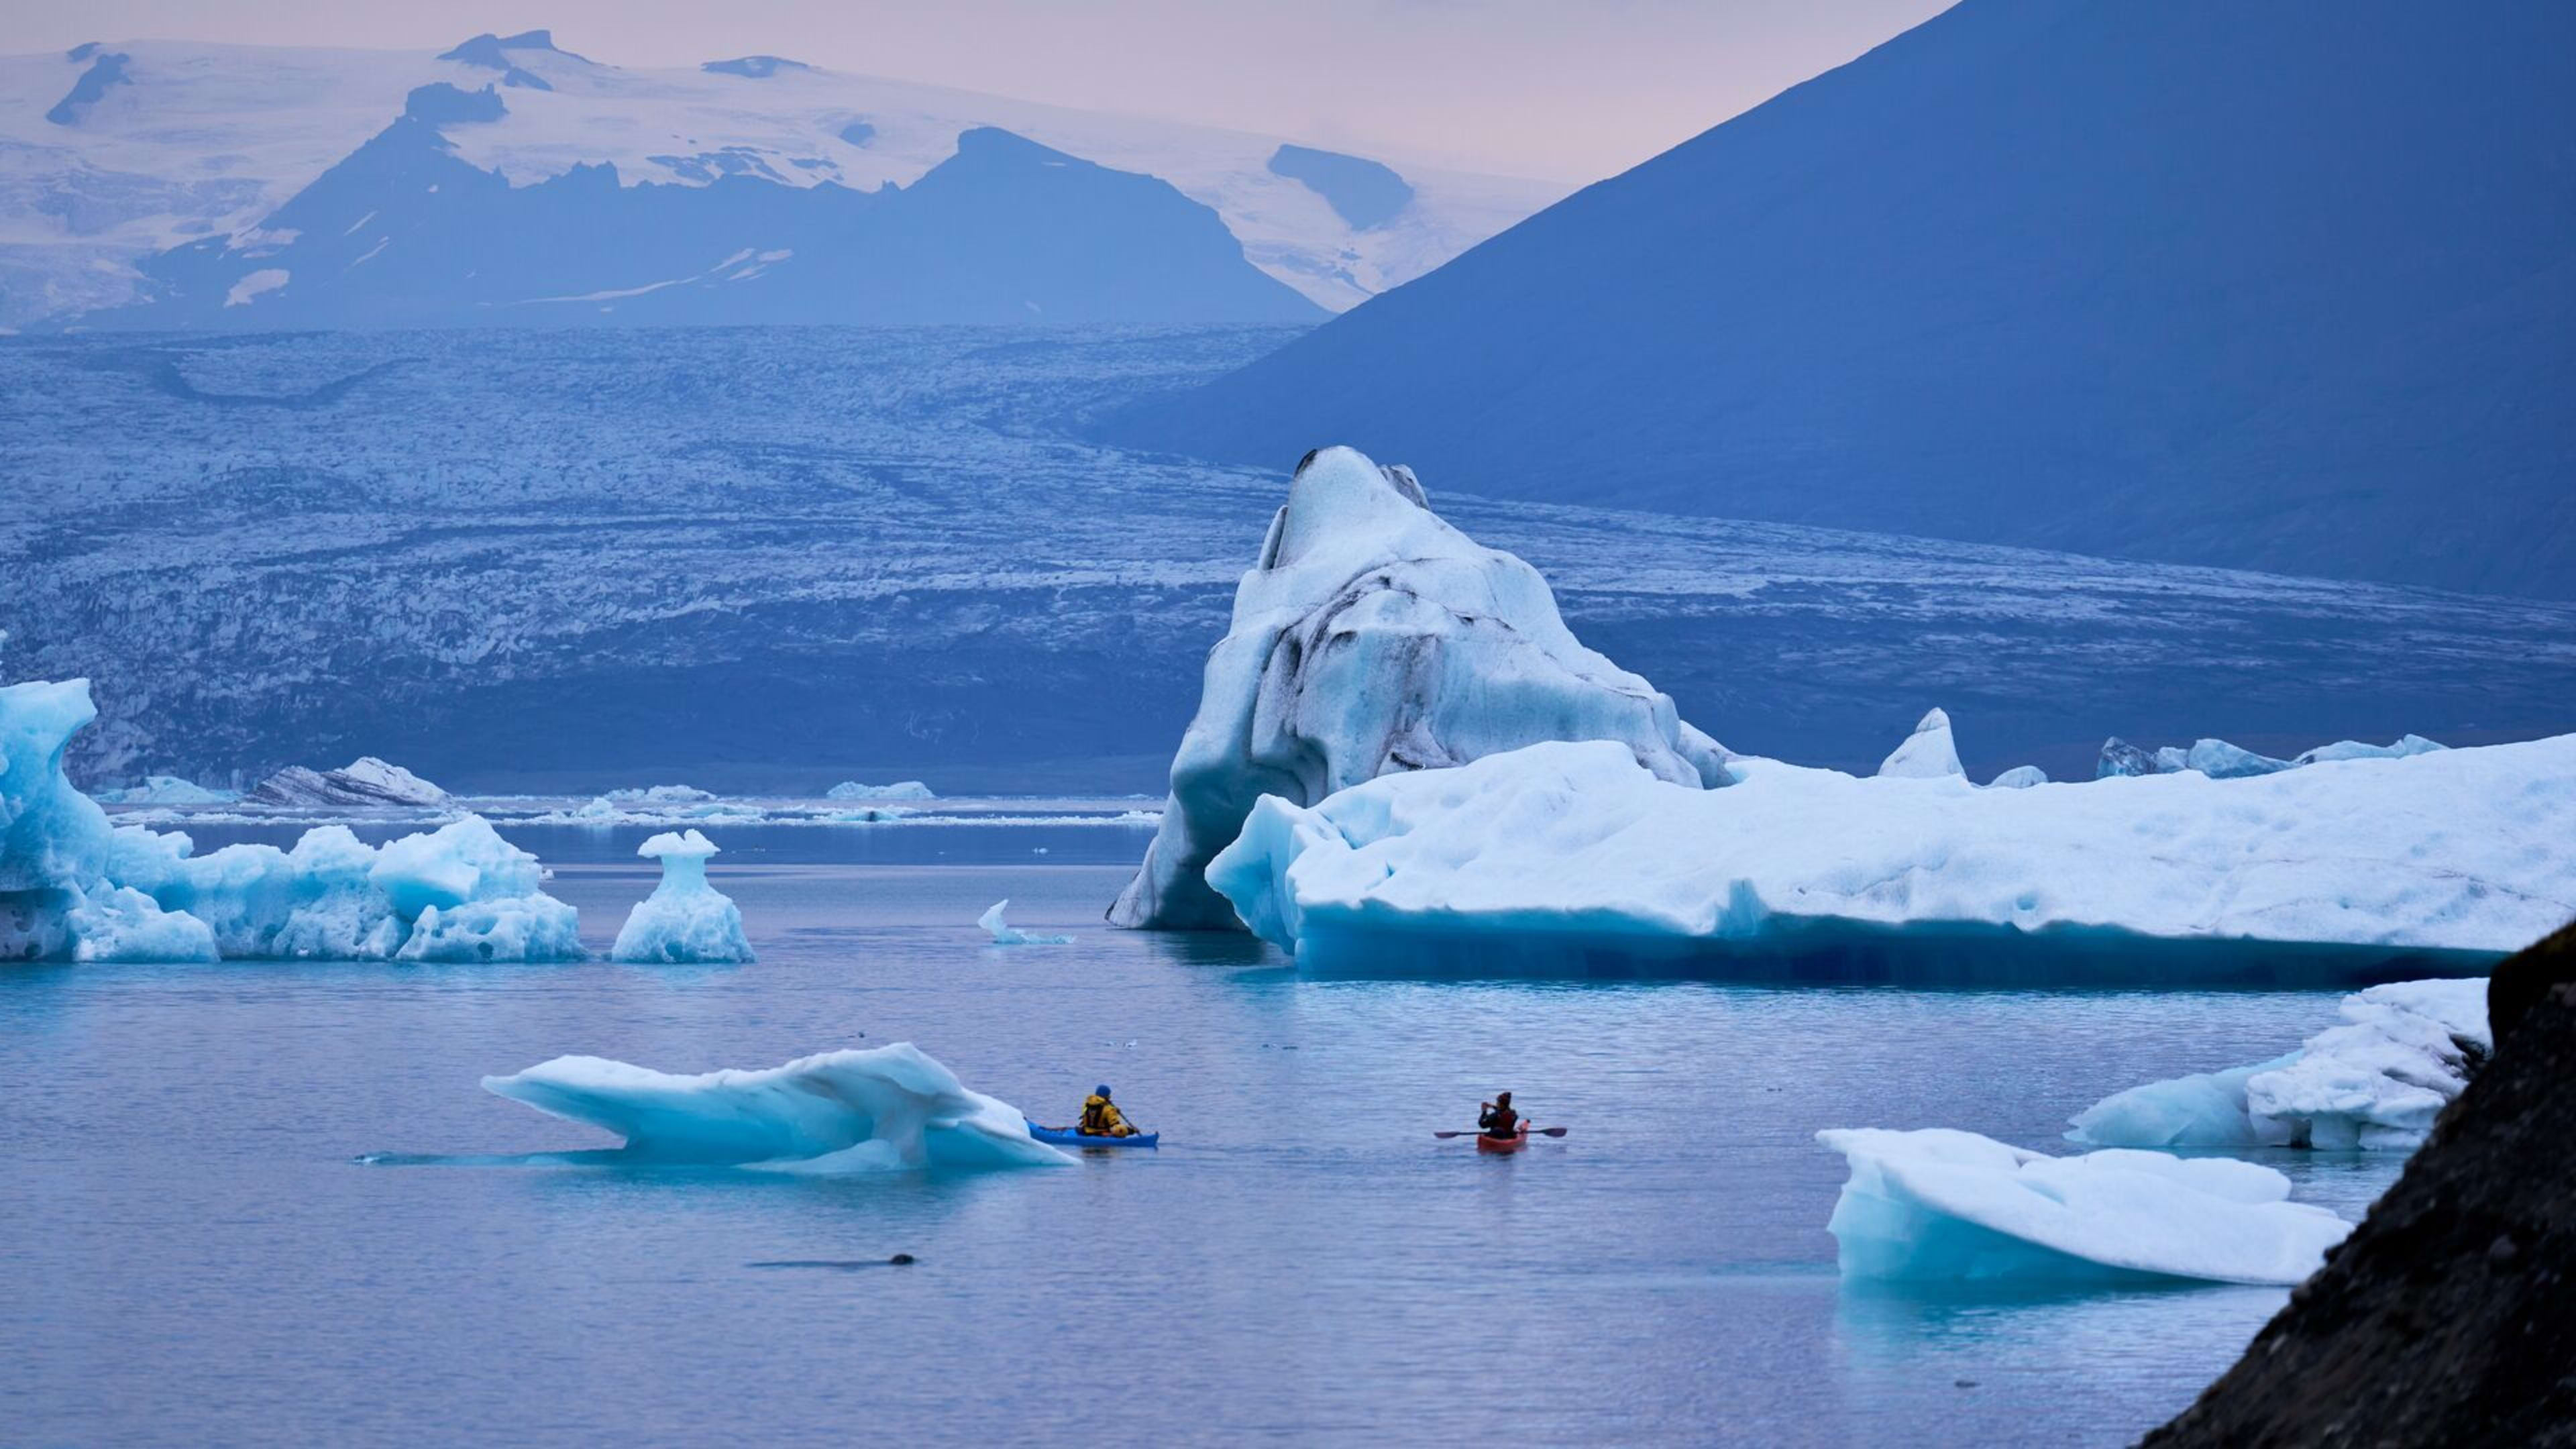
{"x": 1006, "y": 934}
{"x": 1942, "y": 1206}
{"x": 872, "y": 1110}
{"x": 899, "y": 790}
{"x": 2376, "y": 1082}
{"x": 685, "y": 919}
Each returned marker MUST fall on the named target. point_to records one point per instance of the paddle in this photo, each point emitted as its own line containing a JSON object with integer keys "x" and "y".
{"x": 1479, "y": 1132}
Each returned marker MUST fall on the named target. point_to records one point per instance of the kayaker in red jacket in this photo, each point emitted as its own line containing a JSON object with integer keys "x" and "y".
{"x": 1498, "y": 1119}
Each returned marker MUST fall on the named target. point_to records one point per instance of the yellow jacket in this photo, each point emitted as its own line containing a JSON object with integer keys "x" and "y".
{"x": 1101, "y": 1118}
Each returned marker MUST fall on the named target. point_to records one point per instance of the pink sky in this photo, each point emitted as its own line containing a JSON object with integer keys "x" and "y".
{"x": 1568, "y": 89}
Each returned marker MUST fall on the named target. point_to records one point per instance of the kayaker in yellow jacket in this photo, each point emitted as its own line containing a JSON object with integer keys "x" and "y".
{"x": 1101, "y": 1117}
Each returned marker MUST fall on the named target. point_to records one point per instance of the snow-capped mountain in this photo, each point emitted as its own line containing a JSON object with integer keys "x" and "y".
{"x": 2282, "y": 285}
{"x": 112, "y": 154}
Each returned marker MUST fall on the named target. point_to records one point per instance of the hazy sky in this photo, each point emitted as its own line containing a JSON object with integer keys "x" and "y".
{"x": 1572, "y": 89}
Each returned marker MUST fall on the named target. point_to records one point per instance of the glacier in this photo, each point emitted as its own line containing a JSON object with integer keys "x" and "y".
{"x": 1006, "y": 934}
{"x": 875, "y": 1109}
{"x": 685, "y": 919}
{"x": 1937, "y": 1205}
{"x": 1369, "y": 637}
{"x": 2375, "y": 1082}
{"x": 2342, "y": 873}
{"x": 74, "y": 887}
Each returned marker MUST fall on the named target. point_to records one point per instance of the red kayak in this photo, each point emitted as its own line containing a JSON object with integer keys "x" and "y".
{"x": 1514, "y": 1143}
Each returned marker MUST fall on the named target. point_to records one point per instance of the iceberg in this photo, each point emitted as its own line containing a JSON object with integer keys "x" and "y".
{"x": 1371, "y": 637}
{"x": 2019, "y": 777}
{"x": 877, "y": 1109}
{"x": 2220, "y": 760}
{"x": 1927, "y": 754}
{"x": 165, "y": 790}
{"x": 899, "y": 790}
{"x": 1006, "y": 934}
{"x": 366, "y": 781}
{"x": 685, "y": 919}
{"x": 2404, "y": 746}
{"x": 75, "y": 887}
{"x": 2374, "y": 1083}
{"x": 1944, "y": 1206}
{"x": 2434, "y": 865}
{"x": 659, "y": 795}
{"x": 2120, "y": 758}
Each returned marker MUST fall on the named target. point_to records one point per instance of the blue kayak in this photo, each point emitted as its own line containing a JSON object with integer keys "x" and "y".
{"x": 1067, "y": 1137}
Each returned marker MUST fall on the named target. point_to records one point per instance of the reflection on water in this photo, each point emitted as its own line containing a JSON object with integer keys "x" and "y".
{"x": 193, "y": 1254}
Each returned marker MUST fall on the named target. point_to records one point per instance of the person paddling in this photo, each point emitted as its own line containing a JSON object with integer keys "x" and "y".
{"x": 1497, "y": 1119}
{"x": 1101, "y": 1117}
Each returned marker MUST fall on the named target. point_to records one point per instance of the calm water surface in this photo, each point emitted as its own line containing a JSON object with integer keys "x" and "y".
{"x": 189, "y": 1253}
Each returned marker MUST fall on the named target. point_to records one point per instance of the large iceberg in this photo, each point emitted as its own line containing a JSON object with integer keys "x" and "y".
{"x": 685, "y": 919}
{"x": 72, "y": 886}
{"x": 366, "y": 781}
{"x": 1943, "y": 1206}
{"x": 1371, "y": 637}
{"x": 847, "y": 1111}
{"x": 2335, "y": 872}
{"x": 2376, "y": 1082}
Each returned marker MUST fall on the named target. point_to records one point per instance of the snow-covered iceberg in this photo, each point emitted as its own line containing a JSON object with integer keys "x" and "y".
{"x": 1006, "y": 934}
{"x": 847, "y": 1111}
{"x": 1371, "y": 637}
{"x": 685, "y": 919}
{"x": 165, "y": 790}
{"x": 2434, "y": 865}
{"x": 2019, "y": 777}
{"x": 75, "y": 887}
{"x": 2404, "y": 746}
{"x": 2375, "y": 1082}
{"x": 363, "y": 782}
{"x": 899, "y": 790}
{"x": 658, "y": 795}
{"x": 1943, "y": 1206}
{"x": 1927, "y": 754}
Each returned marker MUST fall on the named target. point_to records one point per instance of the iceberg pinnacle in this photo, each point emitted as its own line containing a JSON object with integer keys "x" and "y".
{"x": 1372, "y": 638}
{"x": 1927, "y": 754}
{"x": 685, "y": 919}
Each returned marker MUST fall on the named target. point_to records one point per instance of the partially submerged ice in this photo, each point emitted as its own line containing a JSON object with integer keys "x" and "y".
{"x": 2220, "y": 760}
{"x": 685, "y": 919}
{"x": 74, "y": 887}
{"x": 363, "y": 782}
{"x": 879, "y": 1109}
{"x": 1370, "y": 638}
{"x": 2375, "y": 1082}
{"x": 1927, "y": 754}
{"x": 1006, "y": 934}
{"x": 2331, "y": 873}
{"x": 899, "y": 790}
{"x": 1943, "y": 1206}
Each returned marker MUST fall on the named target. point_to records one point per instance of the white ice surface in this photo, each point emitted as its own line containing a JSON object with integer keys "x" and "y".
{"x": 1369, "y": 638}
{"x": 2471, "y": 850}
{"x": 899, "y": 790}
{"x": 1006, "y": 934}
{"x": 1927, "y": 754}
{"x": 685, "y": 919}
{"x": 846, "y": 1111}
{"x": 2375, "y": 1082}
{"x": 1943, "y": 1206}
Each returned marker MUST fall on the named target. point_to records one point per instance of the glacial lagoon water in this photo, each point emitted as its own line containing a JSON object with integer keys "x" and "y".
{"x": 191, "y": 1251}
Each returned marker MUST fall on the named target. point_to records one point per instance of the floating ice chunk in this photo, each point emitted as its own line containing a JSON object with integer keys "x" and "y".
{"x": 2172, "y": 759}
{"x": 165, "y": 790}
{"x": 1006, "y": 934}
{"x": 118, "y": 923}
{"x": 900, "y": 790}
{"x": 1371, "y": 637}
{"x": 2120, "y": 758}
{"x": 2220, "y": 760}
{"x": 2355, "y": 750}
{"x": 658, "y": 795}
{"x": 1942, "y": 1206}
{"x": 1927, "y": 754}
{"x": 2376, "y": 1082}
{"x": 2462, "y": 851}
{"x": 884, "y": 1107}
{"x": 365, "y": 781}
{"x": 2019, "y": 777}
{"x": 685, "y": 919}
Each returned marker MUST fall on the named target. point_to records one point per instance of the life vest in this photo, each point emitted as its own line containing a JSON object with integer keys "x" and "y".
{"x": 1101, "y": 1118}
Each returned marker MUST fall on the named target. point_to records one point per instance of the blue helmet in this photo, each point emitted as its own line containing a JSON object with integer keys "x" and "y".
{"x": 1101, "y": 1090}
